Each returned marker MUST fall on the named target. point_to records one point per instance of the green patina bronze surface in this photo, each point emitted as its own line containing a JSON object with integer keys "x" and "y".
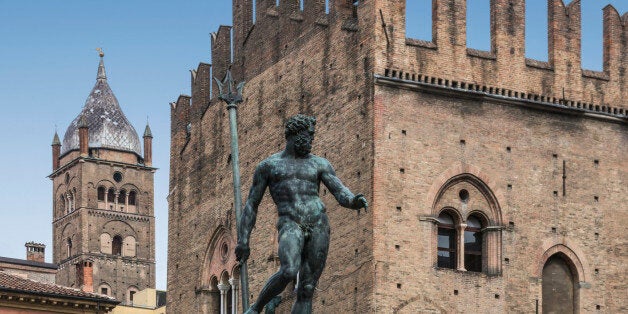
{"x": 293, "y": 177}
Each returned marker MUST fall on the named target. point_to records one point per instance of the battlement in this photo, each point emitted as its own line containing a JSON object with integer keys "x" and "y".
{"x": 261, "y": 41}
{"x": 505, "y": 65}
{"x": 264, "y": 34}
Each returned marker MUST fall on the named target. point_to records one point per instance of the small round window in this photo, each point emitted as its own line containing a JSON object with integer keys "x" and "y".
{"x": 117, "y": 176}
{"x": 224, "y": 251}
{"x": 464, "y": 195}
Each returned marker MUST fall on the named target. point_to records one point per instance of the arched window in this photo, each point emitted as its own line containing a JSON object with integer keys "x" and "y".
{"x": 446, "y": 241}
{"x": 111, "y": 196}
{"x": 69, "y": 247}
{"x": 121, "y": 199}
{"x": 116, "y": 245}
{"x": 130, "y": 293}
{"x": 132, "y": 198}
{"x": 71, "y": 201}
{"x": 105, "y": 289}
{"x": 473, "y": 244}
{"x": 101, "y": 193}
{"x": 62, "y": 204}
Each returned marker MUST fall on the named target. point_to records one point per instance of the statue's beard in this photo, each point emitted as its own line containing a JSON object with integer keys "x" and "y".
{"x": 302, "y": 146}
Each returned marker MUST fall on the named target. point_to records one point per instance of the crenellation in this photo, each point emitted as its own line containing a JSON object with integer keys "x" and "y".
{"x": 341, "y": 9}
{"x": 564, "y": 33}
{"x": 508, "y": 37}
{"x": 313, "y": 10}
{"x": 289, "y": 7}
{"x": 201, "y": 90}
{"x": 221, "y": 54}
{"x": 180, "y": 118}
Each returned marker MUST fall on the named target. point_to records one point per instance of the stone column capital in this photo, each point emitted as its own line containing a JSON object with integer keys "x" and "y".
{"x": 234, "y": 283}
{"x": 223, "y": 287}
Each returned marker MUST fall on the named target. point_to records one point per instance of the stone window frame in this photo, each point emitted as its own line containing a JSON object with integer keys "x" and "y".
{"x": 106, "y": 286}
{"x": 113, "y": 196}
{"x": 490, "y": 217}
{"x": 116, "y": 246}
{"x": 130, "y": 292}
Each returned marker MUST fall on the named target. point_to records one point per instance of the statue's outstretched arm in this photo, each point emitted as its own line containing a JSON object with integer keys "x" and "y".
{"x": 249, "y": 213}
{"x": 342, "y": 194}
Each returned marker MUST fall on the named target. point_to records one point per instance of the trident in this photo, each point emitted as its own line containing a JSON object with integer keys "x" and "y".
{"x": 233, "y": 97}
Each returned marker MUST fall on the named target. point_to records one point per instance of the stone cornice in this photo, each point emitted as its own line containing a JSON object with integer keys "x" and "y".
{"x": 106, "y": 213}
{"x": 468, "y": 90}
{"x": 98, "y": 161}
{"x": 127, "y": 260}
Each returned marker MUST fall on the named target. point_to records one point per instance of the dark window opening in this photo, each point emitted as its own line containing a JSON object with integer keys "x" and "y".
{"x": 446, "y": 241}
{"x": 122, "y": 197}
{"x": 111, "y": 196}
{"x": 131, "y": 294}
{"x": 116, "y": 245}
{"x": 104, "y": 291}
{"x": 132, "y": 197}
{"x": 101, "y": 193}
{"x": 473, "y": 245}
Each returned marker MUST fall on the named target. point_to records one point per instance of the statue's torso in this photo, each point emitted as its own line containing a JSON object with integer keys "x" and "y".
{"x": 294, "y": 184}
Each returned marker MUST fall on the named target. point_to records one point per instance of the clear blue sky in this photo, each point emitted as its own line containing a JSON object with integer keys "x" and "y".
{"x": 48, "y": 66}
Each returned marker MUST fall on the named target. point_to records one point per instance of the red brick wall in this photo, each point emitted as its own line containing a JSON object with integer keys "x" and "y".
{"x": 367, "y": 84}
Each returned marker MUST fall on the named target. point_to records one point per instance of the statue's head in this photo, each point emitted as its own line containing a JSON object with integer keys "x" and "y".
{"x": 300, "y": 130}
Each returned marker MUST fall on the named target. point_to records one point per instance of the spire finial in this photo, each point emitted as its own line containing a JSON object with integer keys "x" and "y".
{"x": 100, "y": 52}
{"x": 147, "y": 131}
{"x": 55, "y": 138}
{"x": 102, "y": 75}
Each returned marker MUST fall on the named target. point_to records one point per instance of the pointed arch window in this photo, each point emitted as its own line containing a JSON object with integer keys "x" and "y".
{"x": 446, "y": 241}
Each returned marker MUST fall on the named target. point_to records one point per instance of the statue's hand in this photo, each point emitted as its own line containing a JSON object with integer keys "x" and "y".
{"x": 242, "y": 252}
{"x": 359, "y": 201}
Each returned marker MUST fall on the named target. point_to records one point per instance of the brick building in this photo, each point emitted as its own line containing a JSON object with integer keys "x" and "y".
{"x": 34, "y": 267}
{"x": 103, "y": 211}
{"x": 497, "y": 182}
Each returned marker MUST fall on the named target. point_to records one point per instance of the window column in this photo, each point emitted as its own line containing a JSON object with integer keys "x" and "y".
{"x": 224, "y": 288}
{"x": 460, "y": 228}
{"x": 115, "y": 199}
{"x": 234, "y": 295}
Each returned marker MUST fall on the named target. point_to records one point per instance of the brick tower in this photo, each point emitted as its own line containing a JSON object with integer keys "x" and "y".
{"x": 103, "y": 215}
{"x": 496, "y": 182}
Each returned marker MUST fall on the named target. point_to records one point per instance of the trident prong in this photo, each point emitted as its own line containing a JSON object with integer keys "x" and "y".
{"x": 233, "y": 96}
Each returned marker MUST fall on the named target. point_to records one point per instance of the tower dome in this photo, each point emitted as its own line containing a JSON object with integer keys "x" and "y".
{"x": 108, "y": 126}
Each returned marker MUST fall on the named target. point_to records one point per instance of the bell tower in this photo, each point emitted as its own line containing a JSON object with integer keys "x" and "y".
{"x": 103, "y": 210}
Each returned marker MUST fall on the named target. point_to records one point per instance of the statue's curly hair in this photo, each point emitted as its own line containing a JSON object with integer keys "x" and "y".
{"x": 297, "y": 123}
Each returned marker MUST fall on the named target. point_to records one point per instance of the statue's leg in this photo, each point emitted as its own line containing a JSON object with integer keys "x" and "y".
{"x": 312, "y": 265}
{"x": 290, "y": 247}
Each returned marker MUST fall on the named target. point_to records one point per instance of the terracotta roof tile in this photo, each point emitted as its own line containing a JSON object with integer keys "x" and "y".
{"x": 15, "y": 283}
